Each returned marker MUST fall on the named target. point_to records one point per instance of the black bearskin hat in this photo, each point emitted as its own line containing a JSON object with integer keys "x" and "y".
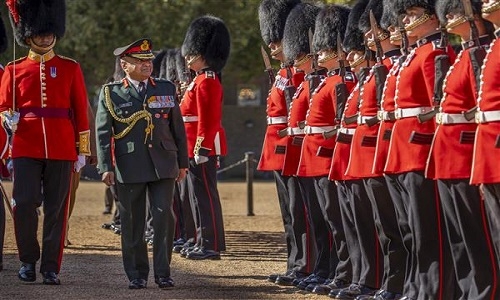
{"x": 296, "y": 34}
{"x": 168, "y": 67}
{"x": 209, "y": 37}
{"x": 428, "y": 5}
{"x": 37, "y": 17}
{"x": 389, "y": 16}
{"x": 157, "y": 62}
{"x": 3, "y": 37}
{"x": 354, "y": 38}
{"x": 377, "y": 7}
{"x": 183, "y": 72}
{"x": 330, "y": 22}
{"x": 272, "y": 18}
{"x": 444, "y": 7}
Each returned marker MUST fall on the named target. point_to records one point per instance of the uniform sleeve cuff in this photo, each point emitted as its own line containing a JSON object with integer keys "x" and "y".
{"x": 83, "y": 145}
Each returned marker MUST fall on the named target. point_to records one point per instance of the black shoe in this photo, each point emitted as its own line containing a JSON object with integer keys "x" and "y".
{"x": 380, "y": 295}
{"x": 179, "y": 242}
{"x": 186, "y": 249}
{"x": 272, "y": 278}
{"x": 138, "y": 283}
{"x": 106, "y": 212}
{"x": 27, "y": 272}
{"x": 328, "y": 286}
{"x": 164, "y": 282}
{"x": 107, "y": 225}
{"x": 353, "y": 291}
{"x": 311, "y": 279}
{"x": 50, "y": 278}
{"x": 117, "y": 229}
{"x": 202, "y": 253}
{"x": 287, "y": 280}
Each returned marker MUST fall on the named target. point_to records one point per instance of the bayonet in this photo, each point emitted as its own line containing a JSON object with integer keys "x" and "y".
{"x": 267, "y": 63}
{"x": 376, "y": 40}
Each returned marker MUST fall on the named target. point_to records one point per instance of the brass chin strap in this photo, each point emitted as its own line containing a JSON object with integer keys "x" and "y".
{"x": 489, "y": 9}
{"x": 277, "y": 51}
{"x": 130, "y": 121}
{"x": 396, "y": 37}
{"x": 451, "y": 25}
{"x": 330, "y": 56}
{"x": 297, "y": 63}
{"x": 421, "y": 20}
{"x": 357, "y": 62}
{"x": 192, "y": 60}
{"x": 41, "y": 50}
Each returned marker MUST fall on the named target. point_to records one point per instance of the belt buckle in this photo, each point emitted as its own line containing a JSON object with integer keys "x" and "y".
{"x": 380, "y": 115}
{"x": 439, "y": 118}
{"x": 398, "y": 113}
{"x": 478, "y": 116}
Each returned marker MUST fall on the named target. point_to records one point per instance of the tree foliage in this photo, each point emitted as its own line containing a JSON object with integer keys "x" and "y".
{"x": 94, "y": 28}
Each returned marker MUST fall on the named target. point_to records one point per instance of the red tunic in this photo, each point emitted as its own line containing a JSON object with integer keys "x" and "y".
{"x": 322, "y": 112}
{"x": 55, "y": 84}
{"x": 297, "y": 113}
{"x": 271, "y": 159}
{"x": 450, "y": 158}
{"x": 342, "y": 150}
{"x": 385, "y": 128}
{"x": 486, "y": 152}
{"x": 415, "y": 88}
{"x": 202, "y": 102}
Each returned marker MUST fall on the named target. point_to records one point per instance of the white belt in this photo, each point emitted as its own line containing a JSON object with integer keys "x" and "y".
{"x": 362, "y": 119}
{"x": 383, "y": 115}
{"x": 188, "y": 119}
{"x": 294, "y": 130}
{"x": 487, "y": 116}
{"x": 401, "y": 113}
{"x": 317, "y": 129}
{"x": 277, "y": 120}
{"x": 445, "y": 118}
{"x": 347, "y": 130}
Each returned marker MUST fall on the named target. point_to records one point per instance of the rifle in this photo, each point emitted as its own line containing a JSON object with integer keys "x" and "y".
{"x": 477, "y": 54}
{"x": 314, "y": 78}
{"x": 380, "y": 71}
{"x": 404, "y": 38}
{"x": 341, "y": 92}
{"x": 267, "y": 64}
{"x": 442, "y": 65}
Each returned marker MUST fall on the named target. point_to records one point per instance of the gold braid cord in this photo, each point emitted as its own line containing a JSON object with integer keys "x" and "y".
{"x": 130, "y": 121}
{"x": 491, "y": 8}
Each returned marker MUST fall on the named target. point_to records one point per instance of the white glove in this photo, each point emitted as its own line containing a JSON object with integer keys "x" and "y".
{"x": 200, "y": 159}
{"x": 79, "y": 163}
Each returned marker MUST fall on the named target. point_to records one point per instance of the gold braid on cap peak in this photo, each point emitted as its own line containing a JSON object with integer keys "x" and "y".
{"x": 83, "y": 143}
{"x": 130, "y": 121}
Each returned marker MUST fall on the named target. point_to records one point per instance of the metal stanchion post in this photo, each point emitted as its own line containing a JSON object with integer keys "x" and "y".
{"x": 249, "y": 158}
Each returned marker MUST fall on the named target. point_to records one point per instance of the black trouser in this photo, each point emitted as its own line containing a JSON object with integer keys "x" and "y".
{"x": 350, "y": 233}
{"x": 133, "y": 213}
{"x": 319, "y": 227}
{"x": 371, "y": 261}
{"x": 109, "y": 199}
{"x": 205, "y": 203}
{"x": 340, "y": 264}
{"x": 185, "y": 221}
{"x": 491, "y": 193}
{"x": 292, "y": 204}
{"x": 2, "y": 225}
{"x": 432, "y": 268}
{"x": 38, "y": 180}
{"x": 389, "y": 236}
{"x": 469, "y": 242}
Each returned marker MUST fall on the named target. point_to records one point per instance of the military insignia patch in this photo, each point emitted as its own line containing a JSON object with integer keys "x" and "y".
{"x": 161, "y": 101}
{"x": 126, "y": 104}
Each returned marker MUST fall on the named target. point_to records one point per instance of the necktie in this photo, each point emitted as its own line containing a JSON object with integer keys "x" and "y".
{"x": 142, "y": 89}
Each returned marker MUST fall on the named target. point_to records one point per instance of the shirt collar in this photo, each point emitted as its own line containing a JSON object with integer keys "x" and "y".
{"x": 135, "y": 83}
{"x": 41, "y": 57}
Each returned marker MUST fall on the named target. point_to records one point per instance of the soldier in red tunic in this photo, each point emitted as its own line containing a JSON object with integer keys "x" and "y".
{"x": 316, "y": 153}
{"x": 487, "y": 143}
{"x": 4, "y": 148}
{"x": 409, "y": 148}
{"x": 206, "y": 49}
{"x": 47, "y": 92}
{"x": 363, "y": 153}
{"x": 272, "y": 18}
{"x": 450, "y": 158}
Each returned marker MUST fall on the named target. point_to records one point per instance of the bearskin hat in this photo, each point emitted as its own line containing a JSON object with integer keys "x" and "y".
{"x": 389, "y": 15}
{"x": 272, "y": 18}
{"x": 157, "y": 62}
{"x": 296, "y": 34}
{"x": 209, "y": 37}
{"x": 377, "y": 7}
{"x": 37, "y": 17}
{"x": 354, "y": 38}
{"x": 403, "y": 5}
{"x": 168, "y": 67}
{"x": 330, "y": 22}
{"x": 119, "y": 74}
{"x": 444, "y": 7}
{"x": 183, "y": 72}
{"x": 3, "y": 37}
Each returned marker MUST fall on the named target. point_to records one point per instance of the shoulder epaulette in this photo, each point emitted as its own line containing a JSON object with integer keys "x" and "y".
{"x": 67, "y": 58}
{"x": 112, "y": 83}
{"x": 349, "y": 77}
{"x": 17, "y": 60}
{"x": 210, "y": 74}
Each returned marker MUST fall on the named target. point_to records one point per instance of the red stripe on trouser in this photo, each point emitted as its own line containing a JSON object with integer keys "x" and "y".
{"x": 487, "y": 234}
{"x": 65, "y": 224}
{"x": 440, "y": 236}
{"x": 216, "y": 239}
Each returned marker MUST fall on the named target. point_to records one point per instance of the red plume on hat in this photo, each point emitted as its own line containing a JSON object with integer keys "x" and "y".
{"x": 37, "y": 17}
